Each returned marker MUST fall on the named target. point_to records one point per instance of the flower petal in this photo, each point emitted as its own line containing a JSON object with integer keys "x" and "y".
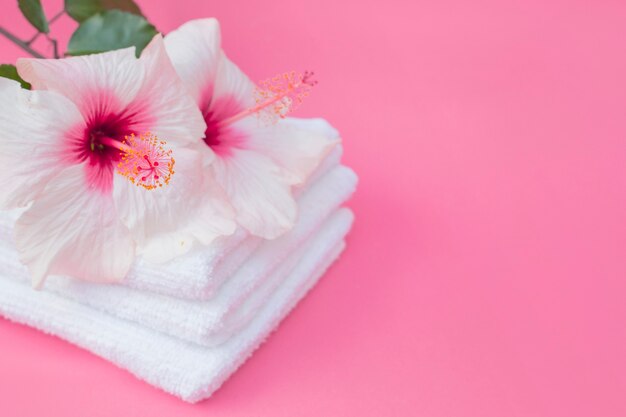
{"x": 166, "y": 222}
{"x": 297, "y": 145}
{"x": 33, "y": 141}
{"x": 258, "y": 190}
{"x": 194, "y": 49}
{"x": 233, "y": 91}
{"x": 162, "y": 105}
{"x": 98, "y": 84}
{"x": 71, "y": 230}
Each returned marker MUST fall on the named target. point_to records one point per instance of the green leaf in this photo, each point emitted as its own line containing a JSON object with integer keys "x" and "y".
{"x": 10, "y": 72}
{"x": 111, "y": 30}
{"x": 33, "y": 12}
{"x": 81, "y": 10}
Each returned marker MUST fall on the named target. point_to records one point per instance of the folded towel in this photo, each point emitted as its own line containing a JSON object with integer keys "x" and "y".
{"x": 211, "y": 321}
{"x": 187, "y": 370}
{"x": 198, "y": 274}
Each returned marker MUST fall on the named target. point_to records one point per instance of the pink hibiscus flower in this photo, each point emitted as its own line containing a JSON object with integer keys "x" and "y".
{"x": 60, "y": 149}
{"x": 256, "y": 163}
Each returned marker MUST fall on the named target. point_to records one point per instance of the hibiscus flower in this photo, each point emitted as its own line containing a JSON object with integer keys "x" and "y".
{"x": 60, "y": 150}
{"x": 256, "y": 163}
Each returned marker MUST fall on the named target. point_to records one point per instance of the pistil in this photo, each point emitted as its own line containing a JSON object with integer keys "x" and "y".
{"x": 105, "y": 141}
{"x": 277, "y": 96}
{"x": 144, "y": 160}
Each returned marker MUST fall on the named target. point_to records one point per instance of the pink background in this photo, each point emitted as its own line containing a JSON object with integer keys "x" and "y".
{"x": 486, "y": 272}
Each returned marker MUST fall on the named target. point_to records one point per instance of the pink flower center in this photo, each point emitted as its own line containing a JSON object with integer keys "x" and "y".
{"x": 94, "y": 150}
{"x": 221, "y": 138}
{"x": 110, "y": 142}
{"x": 212, "y": 136}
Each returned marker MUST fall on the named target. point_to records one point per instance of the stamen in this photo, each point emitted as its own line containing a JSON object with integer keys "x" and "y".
{"x": 145, "y": 161}
{"x": 277, "y": 96}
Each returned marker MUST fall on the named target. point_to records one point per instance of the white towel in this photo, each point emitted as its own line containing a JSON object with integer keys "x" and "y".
{"x": 198, "y": 274}
{"x": 187, "y": 370}
{"x": 209, "y": 322}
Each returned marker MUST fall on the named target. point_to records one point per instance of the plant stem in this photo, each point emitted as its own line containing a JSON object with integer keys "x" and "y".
{"x": 19, "y": 43}
{"x": 51, "y": 21}
{"x": 55, "y": 46}
{"x": 33, "y": 39}
{"x": 56, "y": 16}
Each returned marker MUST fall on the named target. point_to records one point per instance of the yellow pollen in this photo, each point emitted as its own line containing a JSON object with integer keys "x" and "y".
{"x": 145, "y": 161}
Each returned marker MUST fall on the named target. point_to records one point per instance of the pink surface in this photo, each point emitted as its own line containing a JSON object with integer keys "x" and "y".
{"x": 486, "y": 272}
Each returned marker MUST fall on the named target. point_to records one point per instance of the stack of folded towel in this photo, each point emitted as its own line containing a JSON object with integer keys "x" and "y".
{"x": 185, "y": 326}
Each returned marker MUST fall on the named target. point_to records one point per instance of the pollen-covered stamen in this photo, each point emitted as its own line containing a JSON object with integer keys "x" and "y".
{"x": 277, "y": 96}
{"x": 145, "y": 161}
